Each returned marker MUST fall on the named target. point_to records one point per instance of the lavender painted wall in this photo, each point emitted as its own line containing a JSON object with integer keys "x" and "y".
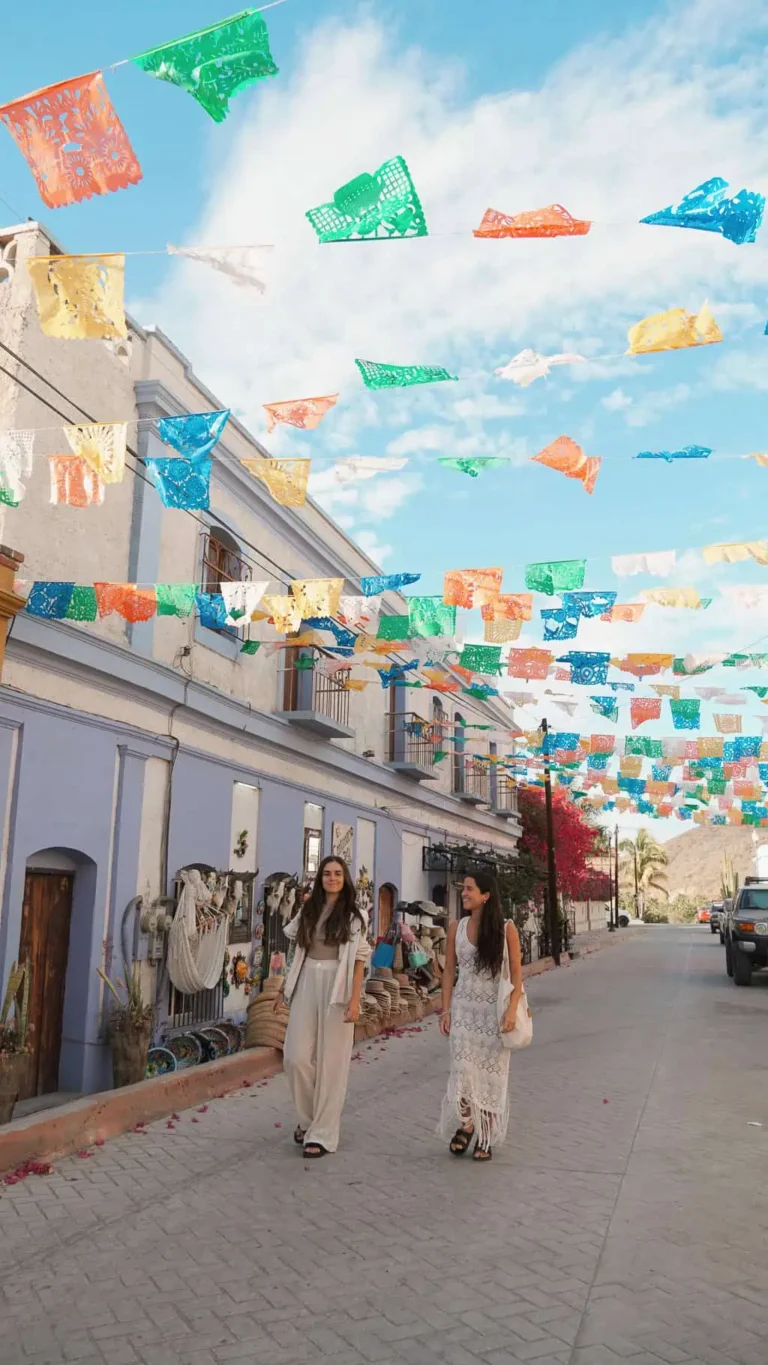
{"x": 73, "y": 787}
{"x": 71, "y": 776}
{"x": 281, "y": 828}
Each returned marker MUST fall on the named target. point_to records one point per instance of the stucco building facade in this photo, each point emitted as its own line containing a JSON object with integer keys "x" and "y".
{"x": 130, "y": 751}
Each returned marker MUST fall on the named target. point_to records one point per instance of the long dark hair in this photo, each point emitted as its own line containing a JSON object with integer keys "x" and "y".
{"x": 490, "y": 935}
{"x": 338, "y": 928}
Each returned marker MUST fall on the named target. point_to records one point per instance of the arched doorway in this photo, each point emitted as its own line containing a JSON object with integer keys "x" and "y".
{"x": 44, "y": 943}
{"x": 387, "y": 901}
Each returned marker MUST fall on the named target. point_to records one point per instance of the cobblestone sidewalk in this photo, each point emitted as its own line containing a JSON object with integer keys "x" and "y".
{"x": 627, "y": 1230}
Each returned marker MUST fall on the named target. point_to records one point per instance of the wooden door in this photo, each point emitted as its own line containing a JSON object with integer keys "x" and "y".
{"x": 45, "y": 944}
{"x": 385, "y": 909}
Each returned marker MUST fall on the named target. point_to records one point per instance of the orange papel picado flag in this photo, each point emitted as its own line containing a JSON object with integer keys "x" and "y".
{"x": 471, "y": 587}
{"x": 73, "y": 141}
{"x": 568, "y": 458}
{"x": 552, "y": 221}
{"x": 305, "y": 413}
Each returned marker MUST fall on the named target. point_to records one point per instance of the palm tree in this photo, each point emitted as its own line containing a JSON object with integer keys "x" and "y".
{"x": 648, "y": 858}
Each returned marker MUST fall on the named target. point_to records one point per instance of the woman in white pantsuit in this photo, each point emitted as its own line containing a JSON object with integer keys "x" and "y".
{"x": 323, "y": 988}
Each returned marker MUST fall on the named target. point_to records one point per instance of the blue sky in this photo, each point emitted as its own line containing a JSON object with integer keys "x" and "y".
{"x": 613, "y": 110}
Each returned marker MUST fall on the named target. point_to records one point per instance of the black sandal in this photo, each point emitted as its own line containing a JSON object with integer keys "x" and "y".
{"x": 298, "y": 1137}
{"x": 313, "y": 1151}
{"x": 482, "y": 1153}
{"x": 460, "y": 1141}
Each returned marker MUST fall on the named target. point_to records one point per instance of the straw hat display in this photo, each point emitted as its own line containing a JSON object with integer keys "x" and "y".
{"x": 266, "y": 1027}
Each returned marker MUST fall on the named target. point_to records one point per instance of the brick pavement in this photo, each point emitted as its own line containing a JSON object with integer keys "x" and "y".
{"x": 628, "y": 1231}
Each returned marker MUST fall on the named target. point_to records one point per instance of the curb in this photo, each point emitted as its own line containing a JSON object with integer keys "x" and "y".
{"x": 95, "y": 1118}
{"x": 72, "y": 1127}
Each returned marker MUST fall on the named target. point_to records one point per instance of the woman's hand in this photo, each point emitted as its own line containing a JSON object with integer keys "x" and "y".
{"x": 352, "y": 1012}
{"x": 278, "y": 1002}
{"x": 509, "y": 1022}
{"x": 445, "y": 1023}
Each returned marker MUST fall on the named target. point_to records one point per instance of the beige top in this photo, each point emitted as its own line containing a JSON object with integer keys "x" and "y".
{"x": 357, "y": 950}
{"x": 319, "y": 950}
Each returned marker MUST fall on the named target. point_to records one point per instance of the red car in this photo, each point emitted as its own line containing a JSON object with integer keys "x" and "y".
{"x": 703, "y": 914}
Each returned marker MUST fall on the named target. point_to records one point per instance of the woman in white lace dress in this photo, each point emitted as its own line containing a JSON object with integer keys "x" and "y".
{"x": 477, "y": 1095}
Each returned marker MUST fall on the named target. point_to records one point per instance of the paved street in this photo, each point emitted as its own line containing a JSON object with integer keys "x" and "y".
{"x": 628, "y": 1231}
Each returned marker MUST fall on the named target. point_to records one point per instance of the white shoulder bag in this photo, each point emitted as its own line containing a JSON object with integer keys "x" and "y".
{"x": 522, "y": 1034}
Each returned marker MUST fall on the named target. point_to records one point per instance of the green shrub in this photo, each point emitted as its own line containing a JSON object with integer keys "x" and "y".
{"x": 655, "y": 915}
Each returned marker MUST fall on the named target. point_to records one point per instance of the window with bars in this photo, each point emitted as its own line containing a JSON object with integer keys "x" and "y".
{"x": 223, "y": 563}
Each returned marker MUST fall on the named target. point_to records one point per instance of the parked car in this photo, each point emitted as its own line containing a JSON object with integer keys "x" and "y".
{"x": 715, "y": 912}
{"x": 746, "y": 932}
{"x": 702, "y": 914}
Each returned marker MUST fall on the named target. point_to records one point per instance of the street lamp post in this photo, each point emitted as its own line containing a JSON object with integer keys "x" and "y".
{"x": 616, "y": 870}
{"x": 637, "y": 887}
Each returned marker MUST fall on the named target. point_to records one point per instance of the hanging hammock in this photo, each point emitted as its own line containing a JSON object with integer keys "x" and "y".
{"x": 198, "y": 938}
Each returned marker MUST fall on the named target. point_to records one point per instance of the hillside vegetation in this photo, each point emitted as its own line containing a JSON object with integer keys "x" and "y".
{"x": 695, "y": 859}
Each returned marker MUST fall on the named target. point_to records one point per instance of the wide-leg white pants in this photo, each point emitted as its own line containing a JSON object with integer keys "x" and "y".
{"x": 317, "y": 1053}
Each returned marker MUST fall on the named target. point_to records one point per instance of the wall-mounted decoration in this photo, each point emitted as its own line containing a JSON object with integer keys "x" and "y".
{"x": 241, "y": 844}
{"x": 343, "y": 843}
{"x": 364, "y": 889}
{"x": 238, "y": 972}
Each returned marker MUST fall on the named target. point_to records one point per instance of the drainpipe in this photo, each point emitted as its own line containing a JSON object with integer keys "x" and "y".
{"x": 10, "y": 602}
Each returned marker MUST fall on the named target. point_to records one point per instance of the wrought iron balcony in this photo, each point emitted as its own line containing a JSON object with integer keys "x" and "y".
{"x": 314, "y": 698}
{"x": 411, "y": 746}
{"x": 471, "y": 780}
{"x": 505, "y": 801}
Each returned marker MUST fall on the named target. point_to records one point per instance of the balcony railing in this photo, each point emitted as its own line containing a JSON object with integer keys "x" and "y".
{"x": 314, "y": 698}
{"x": 505, "y": 799}
{"x": 411, "y": 744}
{"x": 471, "y": 780}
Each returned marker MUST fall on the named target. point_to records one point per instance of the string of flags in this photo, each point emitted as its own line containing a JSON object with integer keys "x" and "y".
{"x": 90, "y": 153}
{"x": 321, "y": 605}
{"x": 70, "y": 134}
{"x": 183, "y": 481}
{"x": 723, "y": 781}
{"x": 79, "y": 480}
{"x": 81, "y": 297}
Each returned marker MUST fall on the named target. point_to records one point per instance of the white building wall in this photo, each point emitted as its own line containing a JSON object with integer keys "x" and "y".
{"x": 414, "y": 883}
{"x": 101, "y": 544}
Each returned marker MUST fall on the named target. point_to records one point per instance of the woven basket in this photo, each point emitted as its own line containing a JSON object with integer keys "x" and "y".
{"x": 264, "y": 1026}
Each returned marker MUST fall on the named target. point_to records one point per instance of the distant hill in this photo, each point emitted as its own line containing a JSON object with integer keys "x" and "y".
{"x": 695, "y": 858}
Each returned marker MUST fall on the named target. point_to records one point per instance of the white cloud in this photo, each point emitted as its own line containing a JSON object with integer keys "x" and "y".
{"x": 383, "y": 497}
{"x": 380, "y": 498}
{"x": 616, "y": 401}
{"x": 372, "y": 546}
{"x": 741, "y": 370}
{"x": 651, "y": 406}
{"x": 450, "y": 299}
{"x": 487, "y": 407}
{"x": 421, "y": 438}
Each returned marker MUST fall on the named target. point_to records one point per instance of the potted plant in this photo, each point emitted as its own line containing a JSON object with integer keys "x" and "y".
{"x": 14, "y": 1047}
{"x": 129, "y": 1030}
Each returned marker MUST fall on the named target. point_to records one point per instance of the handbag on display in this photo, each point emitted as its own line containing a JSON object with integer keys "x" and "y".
{"x": 417, "y": 958}
{"x": 383, "y": 954}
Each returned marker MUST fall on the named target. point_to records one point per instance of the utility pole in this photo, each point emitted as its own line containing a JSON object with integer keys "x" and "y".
{"x": 616, "y": 855}
{"x": 553, "y": 916}
{"x": 637, "y": 888}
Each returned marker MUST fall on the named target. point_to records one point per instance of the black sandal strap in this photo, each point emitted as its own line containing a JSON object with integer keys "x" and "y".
{"x": 461, "y": 1141}
{"x": 314, "y": 1150}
